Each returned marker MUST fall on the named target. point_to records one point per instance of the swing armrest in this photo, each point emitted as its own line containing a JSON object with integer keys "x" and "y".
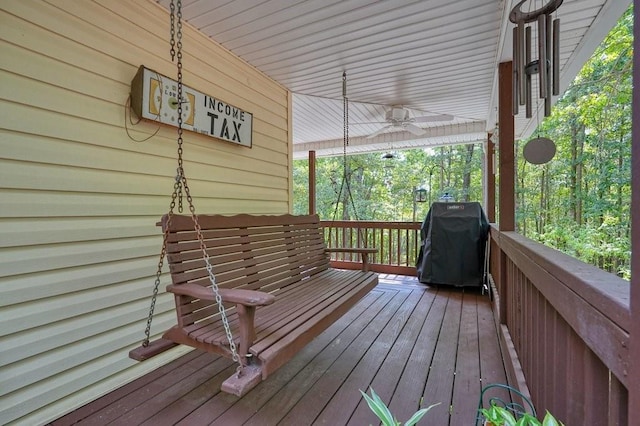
{"x": 363, "y": 251}
{"x": 238, "y": 296}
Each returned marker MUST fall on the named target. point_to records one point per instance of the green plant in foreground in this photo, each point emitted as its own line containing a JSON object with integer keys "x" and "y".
{"x": 499, "y": 416}
{"x": 381, "y": 410}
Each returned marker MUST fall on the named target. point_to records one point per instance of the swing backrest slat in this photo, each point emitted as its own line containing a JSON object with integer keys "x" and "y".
{"x": 263, "y": 253}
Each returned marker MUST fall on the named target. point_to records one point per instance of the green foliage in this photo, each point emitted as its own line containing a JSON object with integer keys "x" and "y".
{"x": 382, "y": 189}
{"x": 381, "y": 410}
{"x": 579, "y": 203}
{"x": 499, "y": 415}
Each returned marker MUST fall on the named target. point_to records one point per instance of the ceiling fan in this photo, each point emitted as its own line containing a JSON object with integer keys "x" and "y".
{"x": 397, "y": 116}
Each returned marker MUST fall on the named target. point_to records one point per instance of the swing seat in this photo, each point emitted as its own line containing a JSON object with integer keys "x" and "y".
{"x": 275, "y": 281}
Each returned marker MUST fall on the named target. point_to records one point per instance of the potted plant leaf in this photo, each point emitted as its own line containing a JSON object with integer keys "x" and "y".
{"x": 381, "y": 410}
{"x": 497, "y": 415}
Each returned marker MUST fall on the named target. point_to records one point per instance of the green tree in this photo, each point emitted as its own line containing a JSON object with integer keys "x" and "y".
{"x": 579, "y": 202}
{"x": 383, "y": 188}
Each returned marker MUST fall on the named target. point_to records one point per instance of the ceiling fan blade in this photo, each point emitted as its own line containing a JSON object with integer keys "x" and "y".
{"x": 432, "y": 118}
{"x": 368, "y": 123}
{"x": 414, "y": 129}
{"x": 380, "y": 131}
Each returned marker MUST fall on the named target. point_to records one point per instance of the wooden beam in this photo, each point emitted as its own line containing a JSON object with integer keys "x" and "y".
{"x": 312, "y": 182}
{"x": 634, "y": 334}
{"x": 506, "y": 221}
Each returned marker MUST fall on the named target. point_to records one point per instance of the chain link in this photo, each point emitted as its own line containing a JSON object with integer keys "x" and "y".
{"x": 172, "y": 32}
{"x": 180, "y": 184}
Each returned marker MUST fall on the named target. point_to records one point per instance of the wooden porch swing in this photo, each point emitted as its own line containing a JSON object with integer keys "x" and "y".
{"x": 267, "y": 278}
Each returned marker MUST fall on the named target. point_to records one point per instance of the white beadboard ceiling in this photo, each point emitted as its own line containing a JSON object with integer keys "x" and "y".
{"x": 431, "y": 56}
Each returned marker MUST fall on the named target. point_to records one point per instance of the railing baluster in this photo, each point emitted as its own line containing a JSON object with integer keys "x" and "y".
{"x": 397, "y": 244}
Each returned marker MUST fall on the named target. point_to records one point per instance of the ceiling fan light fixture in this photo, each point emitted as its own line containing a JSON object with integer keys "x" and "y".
{"x": 397, "y": 114}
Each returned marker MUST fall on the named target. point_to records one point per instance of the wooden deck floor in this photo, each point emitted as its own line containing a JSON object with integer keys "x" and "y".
{"x": 414, "y": 345}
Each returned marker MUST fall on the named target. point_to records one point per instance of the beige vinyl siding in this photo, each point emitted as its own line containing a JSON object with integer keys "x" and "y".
{"x": 80, "y": 198}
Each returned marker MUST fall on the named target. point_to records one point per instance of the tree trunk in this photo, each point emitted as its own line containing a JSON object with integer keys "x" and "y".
{"x": 579, "y": 168}
{"x": 466, "y": 179}
{"x": 542, "y": 204}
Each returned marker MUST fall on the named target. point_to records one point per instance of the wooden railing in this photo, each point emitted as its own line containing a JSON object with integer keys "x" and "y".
{"x": 564, "y": 329}
{"x": 398, "y": 244}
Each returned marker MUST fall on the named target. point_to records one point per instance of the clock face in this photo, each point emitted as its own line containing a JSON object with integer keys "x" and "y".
{"x": 163, "y": 102}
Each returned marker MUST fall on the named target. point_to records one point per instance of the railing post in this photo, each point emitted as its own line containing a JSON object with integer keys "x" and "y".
{"x": 312, "y": 182}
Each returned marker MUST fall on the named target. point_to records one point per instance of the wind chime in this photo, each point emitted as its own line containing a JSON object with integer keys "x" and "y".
{"x": 538, "y": 150}
{"x": 547, "y": 66}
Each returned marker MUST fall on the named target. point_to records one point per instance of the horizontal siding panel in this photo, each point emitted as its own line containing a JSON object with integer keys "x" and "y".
{"x": 27, "y": 91}
{"x": 47, "y": 204}
{"x": 18, "y": 232}
{"x": 209, "y": 151}
{"x": 58, "y": 256}
{"x": 37, "y": 368}
{"x": 19, "y": 175}
{"x": 52, "y": 71}
{"x": 16, "y": 318}
{"x": 37, "y": 40}
{"x": 58, "y": 204}
{"x": 34, "y": 341}
{"x": 41, "y": 285}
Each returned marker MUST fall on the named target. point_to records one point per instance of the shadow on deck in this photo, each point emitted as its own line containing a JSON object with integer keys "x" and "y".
{"x": 414, "y": 345}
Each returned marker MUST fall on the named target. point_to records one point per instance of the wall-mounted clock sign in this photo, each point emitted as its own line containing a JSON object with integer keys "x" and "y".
{"x": 155, "y": 97}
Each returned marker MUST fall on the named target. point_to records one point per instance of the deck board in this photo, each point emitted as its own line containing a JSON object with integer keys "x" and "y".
{"x": 413, "y": 344}
{"x": 467, "y": 379}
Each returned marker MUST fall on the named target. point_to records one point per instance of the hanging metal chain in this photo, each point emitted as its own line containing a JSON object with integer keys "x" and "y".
{"x": 172, "y": 32}
{"x": 179, "y": 185}
{"x": 345, "y": 142}
{"x": 345, "y": 100}
{"x": 345, "y": 113}
{"x": 178, "y": 34}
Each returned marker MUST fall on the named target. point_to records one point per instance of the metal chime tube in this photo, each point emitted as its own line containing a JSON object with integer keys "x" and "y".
{"x": 521, "y": 64}
{"x": 542, "y": 55}
{"x": 547, "y": 69}
{"x": 556, "y": 57}
{"x": 527, "y": 77}
{"x": 515, "y": 77}
{"x": 548, "y": 62}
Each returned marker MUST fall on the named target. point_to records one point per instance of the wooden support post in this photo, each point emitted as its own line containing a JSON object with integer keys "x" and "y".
{"x": 506, "y": 209}
{"x": 312, "y": 182}
{"x": 506, "y": 138}
{"x": 634, "y": 349}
